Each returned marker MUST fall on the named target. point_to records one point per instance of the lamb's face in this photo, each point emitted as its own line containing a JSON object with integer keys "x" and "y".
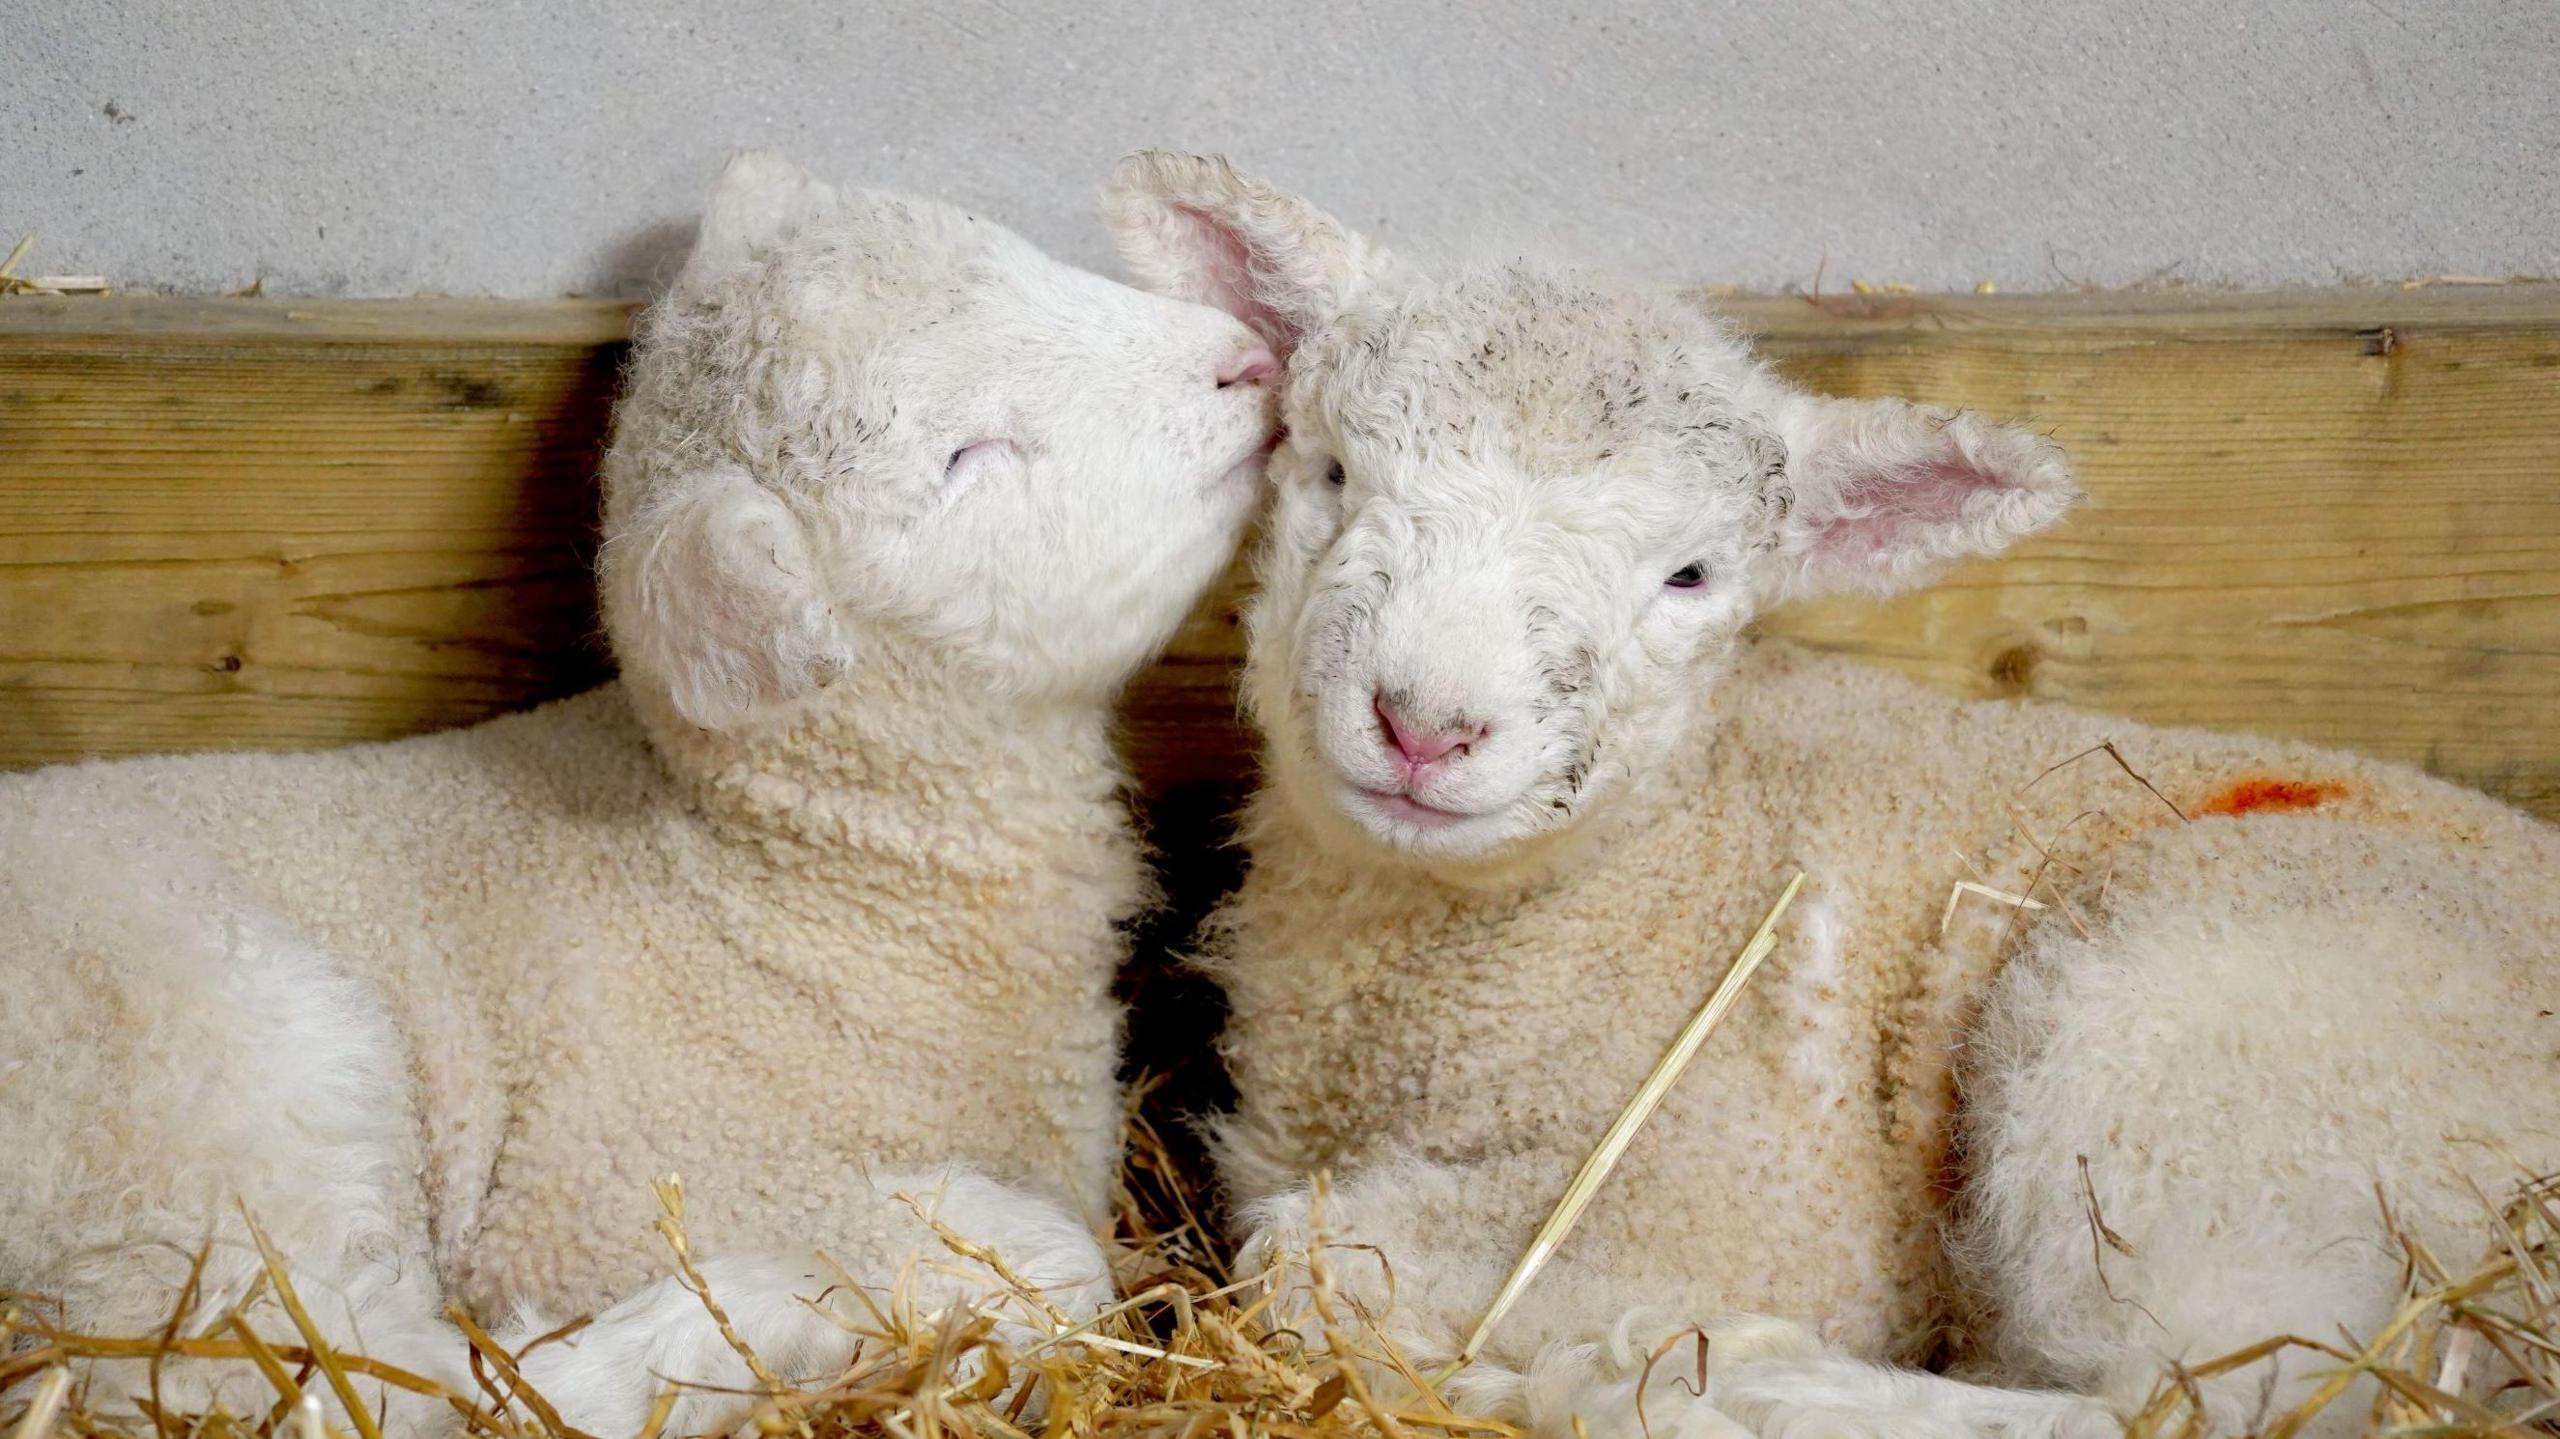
{"x": 1514, "y": 538}
{"x": 860, "y": 415}
{"x": 1525, "y": 514}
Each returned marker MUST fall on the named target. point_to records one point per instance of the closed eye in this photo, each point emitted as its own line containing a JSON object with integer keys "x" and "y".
{"x": 966, "y": 461}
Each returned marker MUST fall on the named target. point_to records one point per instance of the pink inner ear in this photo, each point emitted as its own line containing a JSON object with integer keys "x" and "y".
{"x": 1883, "y": 510}
{"x": 1223, "y": 274}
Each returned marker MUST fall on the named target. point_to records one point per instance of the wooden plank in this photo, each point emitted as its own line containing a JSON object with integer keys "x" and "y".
{"x": 263, "y": 532}
{"x": 434, "y": 321}
{"x": 2338, "y": 525}
{"x": 280, "y": 523}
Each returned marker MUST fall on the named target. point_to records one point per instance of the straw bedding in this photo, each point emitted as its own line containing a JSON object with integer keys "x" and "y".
{"x": 1192, "y": 1353}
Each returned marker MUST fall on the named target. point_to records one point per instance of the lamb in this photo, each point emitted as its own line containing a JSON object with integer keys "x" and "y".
{"x": 814, "y": 907}
{"x": 1527, "y": 785}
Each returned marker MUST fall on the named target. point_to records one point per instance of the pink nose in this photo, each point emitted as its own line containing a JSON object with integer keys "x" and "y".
{"x": 1422, "y": 748}
{"x": 1250, "y": 368}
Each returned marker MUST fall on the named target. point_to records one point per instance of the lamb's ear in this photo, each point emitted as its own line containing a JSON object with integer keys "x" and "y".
{"x": 712, "y": 595}
{"x": 1191, "y": 227}
{"x": 759, "y": 199}
{"x": 1879, "y": 495}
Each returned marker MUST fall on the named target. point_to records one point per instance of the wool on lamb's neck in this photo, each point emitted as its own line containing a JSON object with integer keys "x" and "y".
{"x": 905, "y": 757}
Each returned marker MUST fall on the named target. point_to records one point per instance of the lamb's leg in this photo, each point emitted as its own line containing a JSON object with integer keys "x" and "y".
{"x": 1845, "y": 1397}
{"x": 2270, "y": 1020}
{"x": 791, "y": 1311}
{"x": 172, "y": 1059}
{"x": 1408, "y": 1265}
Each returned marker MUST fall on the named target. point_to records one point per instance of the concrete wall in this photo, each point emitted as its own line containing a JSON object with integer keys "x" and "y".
{"x": 556, "y": 146}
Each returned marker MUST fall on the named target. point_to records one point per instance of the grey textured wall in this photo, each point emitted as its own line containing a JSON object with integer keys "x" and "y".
{"x": 556, "y": 146}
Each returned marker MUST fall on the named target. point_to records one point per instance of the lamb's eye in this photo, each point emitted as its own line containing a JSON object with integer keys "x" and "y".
{"x": 968, "y": 457}
{"x": 1688, "y": 576}
{"x": 1333, "y": 474}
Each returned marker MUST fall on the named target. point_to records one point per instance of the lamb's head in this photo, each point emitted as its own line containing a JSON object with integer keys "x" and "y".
{"x": 858, "y": 417}
{"x": 1524, "y": 514}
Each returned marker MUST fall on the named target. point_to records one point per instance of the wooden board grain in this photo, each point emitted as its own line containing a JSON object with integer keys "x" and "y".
{"x": 225, "y": 525}
{"x": 2337, "y": 525}
{"x": 2332, "y": 514}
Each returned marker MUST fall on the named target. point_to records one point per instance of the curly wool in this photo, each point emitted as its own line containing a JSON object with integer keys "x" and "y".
{"x": 1802, "y": 1166}
{"x": 1530, "y": 511}
{"x": 817, "y": 908}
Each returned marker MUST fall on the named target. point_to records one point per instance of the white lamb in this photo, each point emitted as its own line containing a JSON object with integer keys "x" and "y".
{"x": 816, "y": 905}
{"x": 1528, "y": 788}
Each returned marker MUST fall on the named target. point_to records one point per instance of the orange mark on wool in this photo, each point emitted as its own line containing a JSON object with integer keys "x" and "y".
{"x": 2270, "y": 796}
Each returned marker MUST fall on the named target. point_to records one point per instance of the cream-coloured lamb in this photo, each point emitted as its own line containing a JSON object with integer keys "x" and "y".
{"x": 815, "y": 906}
{"x": 1527, "y": 788}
